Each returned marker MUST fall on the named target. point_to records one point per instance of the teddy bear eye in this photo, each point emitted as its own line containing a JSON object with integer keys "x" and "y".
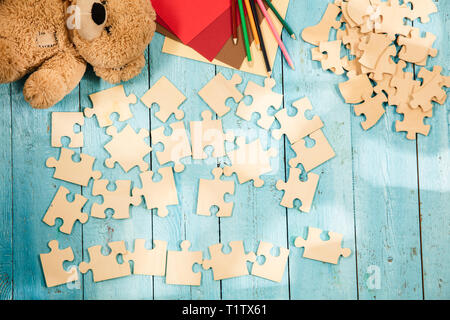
{"x": 108, "y": 29}
{"x": 104, "y": 2}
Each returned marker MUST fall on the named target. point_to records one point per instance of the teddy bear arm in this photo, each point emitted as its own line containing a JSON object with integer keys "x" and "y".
{"x": 56, "y": 78}
{"x": 127, "y": 72}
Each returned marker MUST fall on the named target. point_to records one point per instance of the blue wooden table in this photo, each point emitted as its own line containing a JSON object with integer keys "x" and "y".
{"x": 389, "y": 196}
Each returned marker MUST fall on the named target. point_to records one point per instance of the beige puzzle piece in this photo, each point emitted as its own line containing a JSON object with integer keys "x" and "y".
{"x": 167, "y": 97}
{"x": 216, "y": 92}
{"x": 75, "y": 172}
{"x": 351, "y": 37}
{"x": 313, "y": 157}
{"x": 422, "y": 9}
{"x": 273, "y": 266}
{"x": 356, "y": 89}
{"x": 327, "y": 251}
{"x": 62, "y": 126}
{"x": 180, "y": 266}
{"x": 430, "y": 90}
{"x": 52, "y": 265}
{"x": 106, "y": 267}
{"x": 68, "y": 212}
{"x": 208, "y": 132}
{"x": 297, "y": 189}
{"x": 176, "y": 145}
{"x": 416, "y": 49}
{"x": 331, "y": 56}
{"x": 357, "y": 10}
{"x": 263, "y": 99}
{"x": 158, "y": 195}
{"x": 148, "y": 262}
{"x": 392, "y": 19}
{"x": 372, "y": 49}
{"x": 119, "y": 200}
{"x": 231, "y": 265}
{"x": 250, "y": 161}
{"x": 320, "y": 32}
{"x": 385, "y": 64}
{"x": 296, "y": 127}
{"x": 372, "y": 109}
{"x": 107, "y": 102}
{"x": 403, "y": 84}
{"x": 127, "y": 148}
{"x": 384, "y": 85}
{"x": 212, "y": 193}
{"x": 413, "y": 121}
{"x": 345, "y": 16}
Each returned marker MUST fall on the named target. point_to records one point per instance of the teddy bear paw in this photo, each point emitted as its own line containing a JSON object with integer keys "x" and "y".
{"x": 44, "y": 88}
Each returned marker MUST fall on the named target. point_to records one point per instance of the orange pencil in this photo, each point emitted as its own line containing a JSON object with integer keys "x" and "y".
{"x": 252, "y": 23}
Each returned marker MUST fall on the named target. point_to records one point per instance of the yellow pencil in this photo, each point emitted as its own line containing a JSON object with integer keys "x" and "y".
{"x": 252, "y": 23}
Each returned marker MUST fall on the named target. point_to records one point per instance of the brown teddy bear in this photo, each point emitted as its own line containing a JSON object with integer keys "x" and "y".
{"x": 55, "y": 39}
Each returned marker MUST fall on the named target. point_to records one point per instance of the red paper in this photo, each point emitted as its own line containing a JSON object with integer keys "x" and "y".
{"x": 204, "y": 25}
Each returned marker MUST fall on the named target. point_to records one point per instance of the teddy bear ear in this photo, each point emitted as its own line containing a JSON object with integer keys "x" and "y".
{"x": 87, "y": 18}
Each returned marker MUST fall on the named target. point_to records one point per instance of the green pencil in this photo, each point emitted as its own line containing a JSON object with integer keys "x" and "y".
{"x": 285, "y": 24}
{"x": 244, "y": 30}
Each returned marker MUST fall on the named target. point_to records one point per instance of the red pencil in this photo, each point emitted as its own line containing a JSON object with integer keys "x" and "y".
{"x": 234, "y": 21}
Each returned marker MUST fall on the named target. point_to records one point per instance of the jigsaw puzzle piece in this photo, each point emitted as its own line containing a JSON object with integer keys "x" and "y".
{"x": 212, "y": 193}
{"x": 62, "y": 126}
{"x": 294, "y": 189}
{"x": 52, "y": 265}
{"x": 296, "y": 127}
{"x": 403, "y": 84}
{"x": 158, "y": 195}
{"x": 413, "y": 121}
{"x": 127, "y": 148}
{"x": 313, "y": 157}
{"x": 273, "y": 266}
{"x": 148, "y": 262}
{"x": 263, "y": 99}
{"x": 416, "y": 49}
{"x": 216, "y": 92}
{"x": 327, "y": 251}
{"x": 180, "y": 266}
{"x": 356, "y": 89}
{"x": 167, "y": 97}
{"x": 372, "y": 109}
{"x": 176, "y": 145}
{"x": 75, "y": 172}
{"x": 231, "y": 265}
{"x": 69, "y": 212}
{"x": 373, "y": 48}
{"x": 430, "y": 90}
{"x": 119, "y": 200}
{"x": 208, "y": 132}
{"x": 250, "y": 161}
{"x": 392, "y": 16}
{"x": 320, "y": 32}
{"x": 422, "y": 9}
{"x": 331, "y": 56}
{"x": 385, "y": 64}
{"x": 106, "y": 267}
{"x": 107, "y": 102}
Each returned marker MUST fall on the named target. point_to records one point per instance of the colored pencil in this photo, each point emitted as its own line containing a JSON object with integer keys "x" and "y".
{"x": 285, "y": 24}
{"x": 244, "y": 30}
{"x": 252, "y": 24}
{"x": 234, "y": 21}
{"x": 258, "y": 29}
{"x": 275, "y": 34}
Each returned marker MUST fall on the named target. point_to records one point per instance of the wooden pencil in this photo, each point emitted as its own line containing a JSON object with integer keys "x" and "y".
{"x": 263, "y": 46}
{"x": 280, "y": 18}
{"x": 275, "y": 34}
{"x": 234, "y": 21}
{"x": 244, "y": 30}
{"x": 252, "y": 23}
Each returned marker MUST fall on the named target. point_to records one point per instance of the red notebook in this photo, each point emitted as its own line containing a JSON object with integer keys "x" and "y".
{"x": 204, "y": 25}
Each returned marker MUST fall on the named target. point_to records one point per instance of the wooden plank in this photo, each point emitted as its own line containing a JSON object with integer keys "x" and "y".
{"x": 102, "y": 231}
{"x": 6, "y": 271}
{"x": 33, "y": 191}
{"x": 332, "y": 208}
{"x": 257, "y": 215}
{"x": 386, "y": 210}
{"x": 434, "y": 182}
{"x": 182, "y": 222}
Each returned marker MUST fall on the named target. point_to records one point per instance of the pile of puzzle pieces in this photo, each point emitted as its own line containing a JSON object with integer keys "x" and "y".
{"x": 128, "y": 148}
{"x": 376, "y": 34}
{"x": 177, "y": 266}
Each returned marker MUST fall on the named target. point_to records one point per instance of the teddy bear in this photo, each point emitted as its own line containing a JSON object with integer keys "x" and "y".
{"x": 54, "y": 40}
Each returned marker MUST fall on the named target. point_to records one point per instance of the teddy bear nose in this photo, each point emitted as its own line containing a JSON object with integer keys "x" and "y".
{"x": 98, "y": 13}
